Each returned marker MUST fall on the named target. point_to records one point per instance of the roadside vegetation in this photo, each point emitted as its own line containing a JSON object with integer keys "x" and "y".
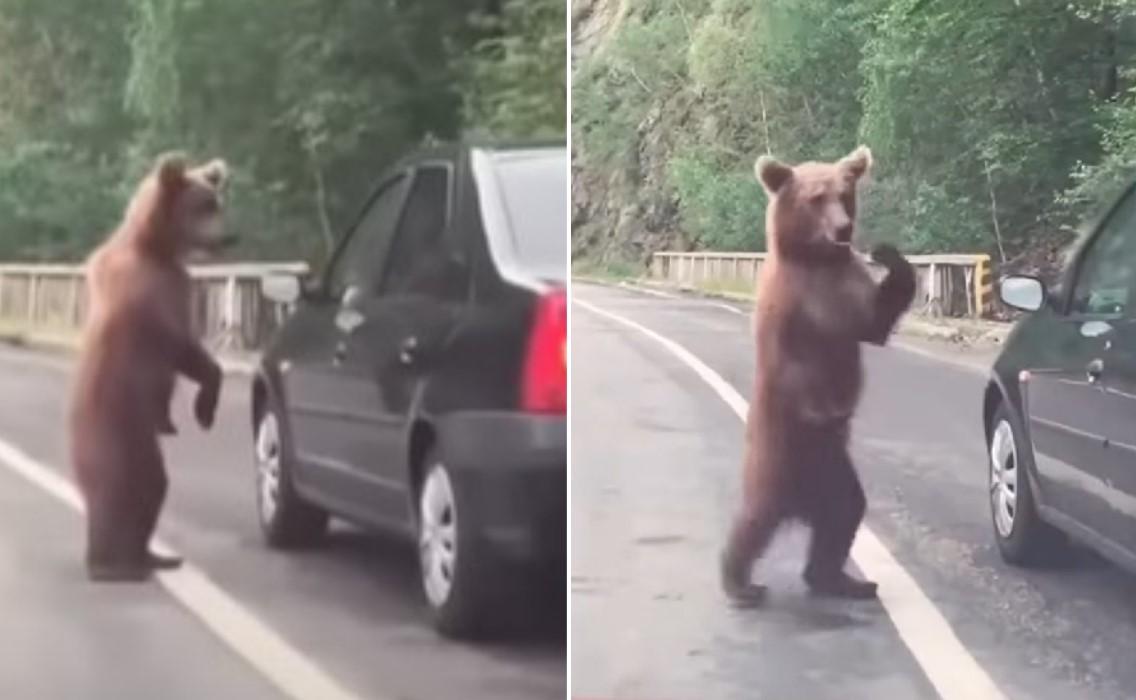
{"x": 996, "y": 126}
{"x": 307, "y": 100}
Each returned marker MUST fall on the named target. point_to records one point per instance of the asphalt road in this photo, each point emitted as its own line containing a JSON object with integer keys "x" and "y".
{"x": 655, "y": 474}
{"x": 352, "y": 607}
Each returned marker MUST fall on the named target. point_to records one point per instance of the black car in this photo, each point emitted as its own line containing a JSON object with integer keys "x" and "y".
{"x": 420, "y": 384}
{"x": 1060, "y": 409}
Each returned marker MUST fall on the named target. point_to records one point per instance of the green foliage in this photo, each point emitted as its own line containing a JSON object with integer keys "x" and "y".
{"x": 307, "y": 99}
{"x": 721, "y": 210}
{"x": 991, "y": 123}
{"x": 519, "y": 71}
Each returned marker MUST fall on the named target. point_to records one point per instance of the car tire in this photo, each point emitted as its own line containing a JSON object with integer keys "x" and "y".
{"x": 462, "y": 581}
{"x": 1023, "y": 538}
{"x": 286, "y": 519}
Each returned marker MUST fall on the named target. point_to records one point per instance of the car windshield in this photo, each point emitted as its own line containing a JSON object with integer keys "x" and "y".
{"x": 533, "y": 183}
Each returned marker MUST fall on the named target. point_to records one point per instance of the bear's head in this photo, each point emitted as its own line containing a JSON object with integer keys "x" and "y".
{"x": 177, "y": 210}
{"x": 812, "y": 206}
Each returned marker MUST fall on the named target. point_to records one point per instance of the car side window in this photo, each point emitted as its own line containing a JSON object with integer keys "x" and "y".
{"x": 422, "y": 258}
{"x": 1105, "y": 277}
{"x": 358, "y": 259}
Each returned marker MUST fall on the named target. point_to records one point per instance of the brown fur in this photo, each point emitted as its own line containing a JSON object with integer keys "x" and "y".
{"x": 136, "y": 339}
{"x": 816, "y": 303}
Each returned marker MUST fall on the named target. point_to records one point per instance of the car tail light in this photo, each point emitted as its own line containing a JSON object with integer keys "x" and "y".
{"x": 544, "y": 386}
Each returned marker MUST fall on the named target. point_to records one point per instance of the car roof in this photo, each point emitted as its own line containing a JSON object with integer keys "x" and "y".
{"x": 455, "y": 149}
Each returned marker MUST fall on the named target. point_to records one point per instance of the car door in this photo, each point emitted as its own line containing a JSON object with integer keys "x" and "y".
{"x": 320, "y": 392}
{"x": 400, "y": 334}
{"x": 1071, "y": 413}
{"x": 1117, "y": 414}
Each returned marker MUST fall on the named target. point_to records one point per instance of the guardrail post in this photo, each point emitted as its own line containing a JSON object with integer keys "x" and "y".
{"x": 229, "y": 313}
{"x": 72, "y": 311}
{"x": 981, "y": 293}
{"x": 33, "y": 284}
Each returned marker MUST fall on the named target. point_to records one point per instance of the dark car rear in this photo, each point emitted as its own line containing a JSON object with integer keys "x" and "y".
{"x": 421, "y": 383}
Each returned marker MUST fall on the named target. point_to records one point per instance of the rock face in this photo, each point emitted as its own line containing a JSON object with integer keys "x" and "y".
{"x": 626, "y": 215}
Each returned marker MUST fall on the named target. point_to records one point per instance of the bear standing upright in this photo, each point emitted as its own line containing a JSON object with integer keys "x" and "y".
{"x": 816, "y": 302}
{"x": 137, "y": 338}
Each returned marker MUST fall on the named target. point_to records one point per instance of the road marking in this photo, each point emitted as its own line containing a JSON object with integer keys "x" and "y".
{"x": 972, "y": 367}
{"x": 727, "y": 307}
{"x": 257, "y": 643}
{"x": 648, "y": 290}
{"x": 948, "y": 665}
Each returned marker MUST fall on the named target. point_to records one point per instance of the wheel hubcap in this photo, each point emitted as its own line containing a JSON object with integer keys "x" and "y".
{"x": 1003, "y": 478}
{"x": 437, "y": 540}
{"x": 268, "y": 467}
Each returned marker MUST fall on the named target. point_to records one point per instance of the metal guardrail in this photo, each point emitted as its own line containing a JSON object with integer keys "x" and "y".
{"x": 229, "y": 312}
{"x": 948, "y": 285}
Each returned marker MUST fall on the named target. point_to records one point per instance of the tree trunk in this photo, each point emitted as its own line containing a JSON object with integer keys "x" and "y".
{"x": 1111, "y": 85}
{"x": 765, "y": 123}
{"x": 321, "y": 203}
{"x": 994, "y": 212}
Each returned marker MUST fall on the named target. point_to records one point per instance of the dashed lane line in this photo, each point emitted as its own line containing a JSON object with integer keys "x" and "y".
{"x": 948, "y": 665}
{"x": 250, "y": 638}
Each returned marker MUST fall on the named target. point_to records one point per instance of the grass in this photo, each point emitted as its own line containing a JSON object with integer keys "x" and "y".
{"x": 611, "y": 270}
{"x": 20, "y": 333}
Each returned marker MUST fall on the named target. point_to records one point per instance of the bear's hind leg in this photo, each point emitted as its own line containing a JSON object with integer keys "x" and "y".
{"x": 835, "y": 515}
{"x": 110, "y": 556}
{"x": 152, "y": 495}
{"x": 750, "y": 535}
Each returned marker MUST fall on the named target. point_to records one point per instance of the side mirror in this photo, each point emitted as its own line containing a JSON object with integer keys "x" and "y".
{"x": 282, "y": 289}
{"x": 1022, "y": 292}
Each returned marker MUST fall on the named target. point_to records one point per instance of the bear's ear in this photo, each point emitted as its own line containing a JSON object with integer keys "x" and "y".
{"x": 215, "y": 172}
{"x": 858, "y": 162}
{"x": 772, "y": 173}
{"x": 170, "y": 169}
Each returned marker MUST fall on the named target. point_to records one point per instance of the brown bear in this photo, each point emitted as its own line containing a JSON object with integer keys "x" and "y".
{"x": 136, "y": 339}
{"x": 816, "y": 302}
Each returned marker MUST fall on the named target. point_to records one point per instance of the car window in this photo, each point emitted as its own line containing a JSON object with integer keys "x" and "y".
{"x": 358, "y": 259}
{"x": 1106, "y": 275}
{"x": 421, "y": 259}
{"x": 533, "y": 184}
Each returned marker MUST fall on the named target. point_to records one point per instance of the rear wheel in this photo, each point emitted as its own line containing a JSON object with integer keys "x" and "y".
{"x": 286, "y": 519}
{"x": 460, "y": 577}
{"x": 1023, "y": 537}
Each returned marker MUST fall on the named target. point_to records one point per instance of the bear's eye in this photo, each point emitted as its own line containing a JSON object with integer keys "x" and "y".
{"x": 816, "y": 199}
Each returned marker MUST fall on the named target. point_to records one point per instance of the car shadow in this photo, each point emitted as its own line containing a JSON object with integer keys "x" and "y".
{"x": 390, "y": 563}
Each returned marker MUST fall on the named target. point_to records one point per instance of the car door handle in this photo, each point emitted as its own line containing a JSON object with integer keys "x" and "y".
{"x": 408, "y": 350}
{"x": 1094, "y": 370}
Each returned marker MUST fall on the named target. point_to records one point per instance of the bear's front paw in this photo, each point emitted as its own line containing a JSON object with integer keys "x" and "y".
{"x": 889, "y": 256}
{"x": 205, "y": 407}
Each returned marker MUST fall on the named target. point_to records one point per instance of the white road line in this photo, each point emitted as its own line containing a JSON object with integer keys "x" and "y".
{"x": 261, "y": 646}
{"x": 727, "y": 307}
{"x": 972, "y": 367}
{"x": 648, "y": 290}
{"x": 952, "y": 670}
